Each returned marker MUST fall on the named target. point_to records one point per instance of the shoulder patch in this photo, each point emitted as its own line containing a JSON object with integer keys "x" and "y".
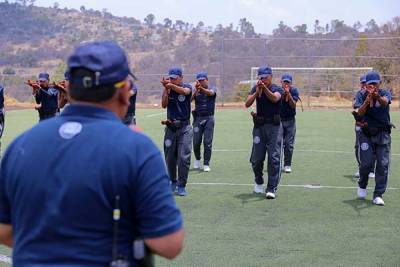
{"x": 69, "y": 130}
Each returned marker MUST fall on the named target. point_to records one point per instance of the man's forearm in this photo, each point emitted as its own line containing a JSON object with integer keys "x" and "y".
{"x": 250, "y": 99}
{"x": 271, "y": 96}
{"x": 164, "y": 100}
{"x": 180, "y": 90}
{"x": 292, "y": 103}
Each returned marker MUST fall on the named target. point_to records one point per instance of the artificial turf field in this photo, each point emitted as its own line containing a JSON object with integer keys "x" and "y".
{"x": 227, "y": 225}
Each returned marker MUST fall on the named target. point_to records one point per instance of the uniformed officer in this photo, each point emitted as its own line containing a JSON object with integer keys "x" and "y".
{"x": 288, "y": 114}
{"x": 267, "y": 131}
{"x": 374, "y": 136}
{"x": 203, "y": 116}
{"x": 178, "y": 131}
{"x": 46, "y": 98}
{"x": 130, "y": 117}
{"x": 359, "y": 123}
{"x": 61, "y": 180}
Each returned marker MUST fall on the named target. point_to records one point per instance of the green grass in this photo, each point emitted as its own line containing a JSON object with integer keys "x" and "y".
{"x": 231, "y": 226}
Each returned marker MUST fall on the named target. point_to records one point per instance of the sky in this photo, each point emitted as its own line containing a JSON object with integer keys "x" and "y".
{"x": 265, "y": 15}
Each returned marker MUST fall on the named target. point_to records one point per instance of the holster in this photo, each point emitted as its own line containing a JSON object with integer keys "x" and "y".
{"x": 374, "y": 131}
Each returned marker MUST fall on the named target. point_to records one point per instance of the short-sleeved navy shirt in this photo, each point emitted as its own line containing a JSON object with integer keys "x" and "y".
{"x": 48, "y": 98}
{"x": 58, "y": 183}
{"x": 205, "y": 104}
{"x": 360, "y": 94}
{"x": 376, "y": 116}
{"x": 266, "y": 108}
{"x": 287, "y": 111}
{"x": 179, "y": 105}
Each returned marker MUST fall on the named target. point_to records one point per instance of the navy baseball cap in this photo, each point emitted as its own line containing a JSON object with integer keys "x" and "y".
{"x": 201, "y": 76}
{"x": 372, "y": 77}
{"x": 105, "y": 59}
{"x": 264, "y": 71}
{"x": 44, "y": 76}
{"x": 363, "y": 79}
{"x": 287, "y": 78}
{"x": 174, "y": 72}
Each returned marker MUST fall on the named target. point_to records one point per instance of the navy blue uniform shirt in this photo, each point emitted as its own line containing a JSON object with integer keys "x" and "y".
{"x": 49, "y": 100}
{"x": 265, "y": 108}
{"x": 360, "y": 93}
{"x": 179, "y": 105}
{"x": 377, "y": 116}
{"x": 286, "y": 110}
{"x": 205, "y": 104}
{"x": 58, "y": 182}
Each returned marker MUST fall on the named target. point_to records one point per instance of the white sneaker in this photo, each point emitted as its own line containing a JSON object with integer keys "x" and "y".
{"x": 362, "y": 193}
{"x": 258, "y": 188}
{"x": 357, "y": 174}
{"x": 371, "y": 175}
{"x": 196, "y": 164}
{"x": 207, "y": 168}
{"x": 270, "y": 195}
{"x": 287, "y": 169}
{"x": 378, "y": 201}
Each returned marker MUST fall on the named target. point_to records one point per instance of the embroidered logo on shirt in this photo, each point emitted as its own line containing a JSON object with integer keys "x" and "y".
{"x": 70, "y": 129}
{"x": 196, "y": 129}
{"x": 181, "y": 98}
{"x": 364, "y": 146}
{"x": 256, "y": 140}
{"x": 168, "y": 143}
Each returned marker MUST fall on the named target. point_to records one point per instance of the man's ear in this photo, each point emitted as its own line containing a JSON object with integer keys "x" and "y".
{"x": 124, "y": 94}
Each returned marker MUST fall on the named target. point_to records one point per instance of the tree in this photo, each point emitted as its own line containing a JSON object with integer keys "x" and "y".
{"x": 200, "y": 26}
{"x": 357, "y": 26}
{"x": 301, "y": 28}
{"x": 149, "y": 20}
{"x": 82, "y": 9}
{"x": 282, "y": 29}
{"x": 167, "y": 23}
{"x": 56, "y": 5}
{"x": 246, "y": 28}
{"x": 372, "y": 27}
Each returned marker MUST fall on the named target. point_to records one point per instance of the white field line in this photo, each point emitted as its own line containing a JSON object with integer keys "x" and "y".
{"x": 297, "y": 150}
{"x": 155, "y": 114}
{"x": 308, "y": 186}
{"x": 5, "y": 259}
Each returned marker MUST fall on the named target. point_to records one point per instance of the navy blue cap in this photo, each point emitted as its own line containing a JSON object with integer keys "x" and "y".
{"x": 44, "y": 76}
{"x": 105, "y": 59}
{"x": 287, "y": 78}
{"x": 174, "y": 72}
{"x": 66, "y": 75}
{"x": 264, "y": 71}
{"x": 372, "y": 77}
{"x": 363, "y": 78}
{"x": 201, "y": 76}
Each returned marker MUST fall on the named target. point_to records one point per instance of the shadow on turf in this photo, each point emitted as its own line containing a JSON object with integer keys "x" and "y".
{"x": 359, "y": 204}
{"x": 250, "y": 197}
{"x": 351, "y": 178}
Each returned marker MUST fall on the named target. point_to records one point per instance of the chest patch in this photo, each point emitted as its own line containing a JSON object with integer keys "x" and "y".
{"x": 181, "y": 98}
{"x": 70, "y": 129}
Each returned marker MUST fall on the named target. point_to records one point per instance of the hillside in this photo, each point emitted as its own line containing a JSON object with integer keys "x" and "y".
{"x": 36, "y": 38}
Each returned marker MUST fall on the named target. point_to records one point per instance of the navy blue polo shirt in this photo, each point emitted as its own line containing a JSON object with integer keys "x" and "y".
{"x": 205, "y": 104}
{"x": 132, "y": 101}
{"x": 287, "y": 111}
{"x": 58, "y": 183}
{"x": 49, "y": 100}
{"x": 360, "y": 94}
{"x": 266, "y": 108}
{"x": 1, "y": 97}
{"x": 179, "y": 105}
{"x": 376, "y": 116}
